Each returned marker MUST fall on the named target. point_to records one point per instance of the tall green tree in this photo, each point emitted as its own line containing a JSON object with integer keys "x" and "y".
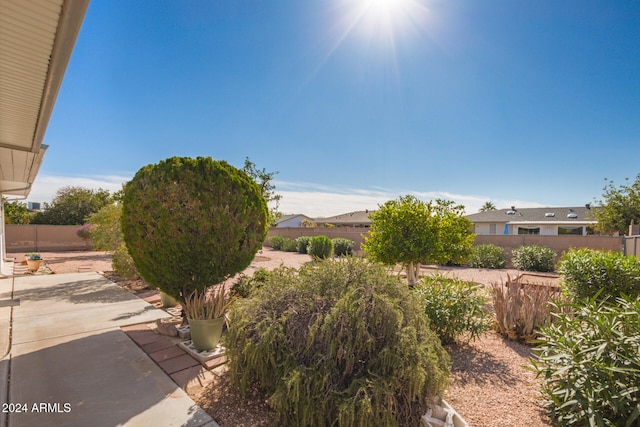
{"x": 488, "y": 206}
{"x": 411, "y": 232}
{"x": 264, "y": 180}
{"x": 619, "y": 207}
{"x": 72, "y": 205}
{"x": 16, "y": 212}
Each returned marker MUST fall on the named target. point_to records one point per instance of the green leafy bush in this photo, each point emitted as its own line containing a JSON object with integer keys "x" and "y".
{"x": 533, "y": 258}
{"x": 589, "y": 362}
{"x": 246, "y": 285}
{"x": 454, "y": 307}
{"x": 276, "y": 242}
{"x": 303, "y": 243}
{"x": 289, "y": 245}
{"x": 586, "y": 272}
{"x": 122, "y": 263}
{"x": 521, "y": 309}
{"x": 488, "y": 256}
{"x": 192, "y": 223}
{"x": 342, "y": 246}
{"x": 337, "y": 343}
{"x": 320, "y": 247}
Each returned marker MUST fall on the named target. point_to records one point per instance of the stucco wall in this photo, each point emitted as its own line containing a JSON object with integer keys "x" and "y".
{"x": 44, "y": 238}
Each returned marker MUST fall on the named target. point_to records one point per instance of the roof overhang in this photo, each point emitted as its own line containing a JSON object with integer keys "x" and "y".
{"x": 36, "y": 41}
{"x": 539, "y": 223}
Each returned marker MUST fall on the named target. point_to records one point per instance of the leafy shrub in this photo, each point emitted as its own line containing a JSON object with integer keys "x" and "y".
{"x": 246, "y": 285}
{"x": 122, "y": 263}
{"x": 342, "y": 246}
{"x": 589, "y": 362}
{"x": 533, "y": 258}
{"x": 192, "y": 223}
{"x": 276, "y": 242}
{"x": 339, "y": 343}
{"x": 303, "y": 243}
{"x": 454, "y": 307}
{"x": 522, "y": 308}
{"x": 488, "y": 256}
{"x": 289, "y": 245}
{"x": 320, "y": 247}
{"x": 585, "y": 272}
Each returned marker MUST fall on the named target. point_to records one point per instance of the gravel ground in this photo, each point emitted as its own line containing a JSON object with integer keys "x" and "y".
{"x": 490, "y": 385}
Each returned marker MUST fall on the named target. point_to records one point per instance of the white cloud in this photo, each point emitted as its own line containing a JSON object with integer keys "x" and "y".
{"x": 312, "y": 199}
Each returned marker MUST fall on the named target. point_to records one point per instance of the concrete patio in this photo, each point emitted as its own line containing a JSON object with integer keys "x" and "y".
{"x": 66, "y": 361}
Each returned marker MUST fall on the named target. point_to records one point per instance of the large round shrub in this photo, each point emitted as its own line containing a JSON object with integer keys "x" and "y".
{"x": 487, "y": 256}
{"x": 191, "y": 223}
{"x": 337, "y": 343}
{"x": 533, "y": 258}
{"x": 585, "y": 272}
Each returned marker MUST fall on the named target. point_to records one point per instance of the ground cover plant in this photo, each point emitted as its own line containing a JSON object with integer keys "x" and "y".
{"x": 521, "y": 309}
{"x": 192, "y": 223}
{"x": 533, "y": 258}
{"x": 586, "y": 273}
{"x": 456, "y": 309}
{"x": 488, "y": 256}
{"x": 337, "y": 343}
{"x": 589, "y": 361}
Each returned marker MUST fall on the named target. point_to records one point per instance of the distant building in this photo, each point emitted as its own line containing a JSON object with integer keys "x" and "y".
{"x": 294, "y": 220}
{"x": 350, "y": 219}
{"x": 543, "y": 221}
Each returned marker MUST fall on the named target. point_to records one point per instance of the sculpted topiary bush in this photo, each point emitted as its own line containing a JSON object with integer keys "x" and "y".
{"x": 192, "y": 223}
{"x": 338, "y": 343}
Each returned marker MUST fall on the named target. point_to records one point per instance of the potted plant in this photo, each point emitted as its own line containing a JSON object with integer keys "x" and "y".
{"x": 34, "y": 260}
{"x": 205, "y": 311}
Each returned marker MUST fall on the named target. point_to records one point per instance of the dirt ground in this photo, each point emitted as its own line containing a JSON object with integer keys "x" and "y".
{"x": 490, "y": 385}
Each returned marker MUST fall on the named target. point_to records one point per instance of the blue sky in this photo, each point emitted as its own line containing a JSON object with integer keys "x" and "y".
{"x": 526, "y": 103}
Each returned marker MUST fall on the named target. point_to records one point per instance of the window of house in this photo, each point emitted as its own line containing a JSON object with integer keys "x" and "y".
{"x": 528, "y": 230}
{"x": 563, "y": 231}
{"x": 492, "y": 229}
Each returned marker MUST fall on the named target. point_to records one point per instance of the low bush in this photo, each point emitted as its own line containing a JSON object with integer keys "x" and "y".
{"x": 289, "y": 245}
{"x": 122, "y": 263}
{"x": 276, "y": 242}
{"x": 337, "y": 343}
{"x": 455, "y": 308}
{"x": 533, "y": 258}
{"x": 342, "y": 246}
{"x": 488, "y": 256}
{"x": 303, "y": 244}
{"x": 586, "y": 272}
{"x": 320, "y": 247}
{"x": 589, "y": 362}
{"x": 246, "y": 285}
{"x": 521, "y": 309}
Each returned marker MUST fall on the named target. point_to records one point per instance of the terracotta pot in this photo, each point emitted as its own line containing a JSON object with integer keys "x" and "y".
{"x": 34, "y": 264}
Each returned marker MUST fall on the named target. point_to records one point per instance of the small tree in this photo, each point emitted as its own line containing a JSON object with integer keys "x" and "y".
{"x": 16, "y": 212}
{"x": 619, "y": 207}
{"x": 411, "y": 232}
{"x": 191, "y": 223}
{"x": 264, "y": 180}
{"x": 72, "y": 205}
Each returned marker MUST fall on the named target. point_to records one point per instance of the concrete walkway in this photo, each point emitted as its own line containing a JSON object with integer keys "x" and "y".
{"x": 69, "y": 364}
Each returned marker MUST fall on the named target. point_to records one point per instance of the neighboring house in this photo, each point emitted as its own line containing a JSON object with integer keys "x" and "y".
{"x": 351, "y": 219}
{"x": 543, "y": 221}
{"x": 292, "y": 220}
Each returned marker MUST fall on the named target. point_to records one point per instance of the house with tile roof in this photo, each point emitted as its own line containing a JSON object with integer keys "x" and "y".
{"x": 542, "y": 221}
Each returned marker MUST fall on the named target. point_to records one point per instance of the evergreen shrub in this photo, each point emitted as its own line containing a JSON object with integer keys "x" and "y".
{"x": 589, "y": 362}
{"x": 276, "y": 242}
{"x": 122, "y": 263}
{"x": 337, "y": 343}
{"x": 192, "y": 223}
{"x": 488, "y": 256}
{"x": 303, "y": 243}
{"x": 455, "y": 308}
{"x": 533, "y": 258}
{"x": 245, "y": 285}
{"x": 320, "y": 247}
{"x": 342, "y": 246}
{"x": 587, "y": 272}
